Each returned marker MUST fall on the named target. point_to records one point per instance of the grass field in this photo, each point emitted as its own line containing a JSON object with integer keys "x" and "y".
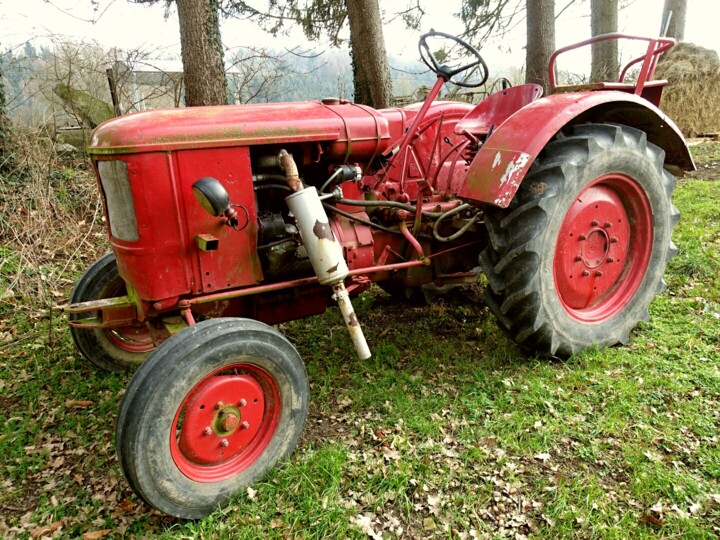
{"x": 448, "y": 431}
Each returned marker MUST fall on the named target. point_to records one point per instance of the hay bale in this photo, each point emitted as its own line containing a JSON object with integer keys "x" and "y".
{"x": 691, "y": 98}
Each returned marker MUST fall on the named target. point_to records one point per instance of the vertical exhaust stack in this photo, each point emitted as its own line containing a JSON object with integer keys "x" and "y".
{"x": 323, "y": 249}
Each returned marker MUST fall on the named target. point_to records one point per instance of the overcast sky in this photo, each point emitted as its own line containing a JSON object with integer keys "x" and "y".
{"x": 122, "y": 24}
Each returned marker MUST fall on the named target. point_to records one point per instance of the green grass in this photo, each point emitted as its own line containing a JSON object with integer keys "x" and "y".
{"x": 448, "y": 429}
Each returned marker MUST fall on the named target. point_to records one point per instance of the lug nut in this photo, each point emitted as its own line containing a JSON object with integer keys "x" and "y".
{"x": 244, "y": 425}
{"x": 607, "y": 225}
{"x": 229, "y": 423}
{"x": 224, "y": 442}
{"x": 610, "y": 259}
{"x": 585, "y": 273}
{"x": 578, "y": 258}
{"x": 219, "y": 405}
{"x": 598, "y": 273}
{"x": 582, "y": 237}
{"x": 595, "y": 223}
{"x": 207, "y": 431}
{"x": 242, "y": 403}
{"x": 613, "y": 240}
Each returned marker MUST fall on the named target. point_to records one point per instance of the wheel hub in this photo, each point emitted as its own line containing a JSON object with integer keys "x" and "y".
{"x": 592, "y": 247}
{"x": 594, "y": 250}
{"x": 222, "y": 417}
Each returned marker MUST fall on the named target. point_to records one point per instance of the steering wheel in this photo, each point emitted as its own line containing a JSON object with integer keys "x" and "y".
{"x": 447, "y": 72}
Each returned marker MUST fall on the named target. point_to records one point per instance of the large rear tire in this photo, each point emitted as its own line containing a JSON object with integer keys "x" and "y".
{"x": 210, "y": 411}
{"x": 112, "y": 349}
{"x": 578, "y": 256}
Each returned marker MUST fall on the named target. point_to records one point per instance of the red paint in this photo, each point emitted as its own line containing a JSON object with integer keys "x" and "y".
{"x": 166, "y": 262}
{"x": 495, "y": 109}
{"x": 603, "y": 248}
{"x": 218, "y": 453}
{"x": 514, "y": 145}
{"x": 656, "y": 46}
{"x": 353, "y": 132}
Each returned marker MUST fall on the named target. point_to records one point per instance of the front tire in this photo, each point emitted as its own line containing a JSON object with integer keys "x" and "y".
{"x": 112, "y": 349}
{"x": 212, "y": 410}
{"x": 578, "y": 256}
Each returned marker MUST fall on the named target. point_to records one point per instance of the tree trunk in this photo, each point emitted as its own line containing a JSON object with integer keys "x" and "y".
{"x": 604, "y": 20}
{"x": 677, "y": 23}
{"x": 371, "y": 72}
{"x": 540, "y": 40}
{"x": 202, "y": 52}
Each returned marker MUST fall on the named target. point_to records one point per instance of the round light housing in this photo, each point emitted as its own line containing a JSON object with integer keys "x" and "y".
{"x": 211, "y": 194}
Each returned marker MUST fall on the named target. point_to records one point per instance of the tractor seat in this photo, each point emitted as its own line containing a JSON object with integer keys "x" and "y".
{"x": 495, "y": 109}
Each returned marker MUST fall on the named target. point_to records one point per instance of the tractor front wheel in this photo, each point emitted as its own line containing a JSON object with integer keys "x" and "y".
{"x": 210, "y": 411}
{"x": 112, "y": 349}
{"x": 576, "y": 259}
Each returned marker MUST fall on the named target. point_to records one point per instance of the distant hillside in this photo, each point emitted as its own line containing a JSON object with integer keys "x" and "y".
{"x": 330, "y": 74}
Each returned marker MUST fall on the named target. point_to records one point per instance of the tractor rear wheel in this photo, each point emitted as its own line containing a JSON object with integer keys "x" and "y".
{"x": 210, "y": 411}
{"x": 112, "y": 349}
{"x": 578, "y": 256}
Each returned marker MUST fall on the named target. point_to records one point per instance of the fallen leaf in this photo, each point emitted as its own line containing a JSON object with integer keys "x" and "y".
{"x": 251, "y": 493}
{"x": 658, "y": 508}
{"x": 96, "y": 535}
{"x": 543, "y": 456}
{"x": 365, "y": 523}
{"x": 47, "y": 529}
{"x": 391, "y": 454}
{"x": 429, "y": 524}
{"x": 652, "y": 520}
{"x": 77, "y": 404}
{"x": 127, "y": 505}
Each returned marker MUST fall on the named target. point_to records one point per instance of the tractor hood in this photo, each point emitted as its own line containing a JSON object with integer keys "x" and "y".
{"x": 241, "y": 125}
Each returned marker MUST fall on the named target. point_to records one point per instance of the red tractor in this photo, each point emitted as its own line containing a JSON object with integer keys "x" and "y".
{"x": 224, "y": 221}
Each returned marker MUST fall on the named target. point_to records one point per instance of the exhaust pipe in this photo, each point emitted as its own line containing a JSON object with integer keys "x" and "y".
{"x": 326, "y": 257}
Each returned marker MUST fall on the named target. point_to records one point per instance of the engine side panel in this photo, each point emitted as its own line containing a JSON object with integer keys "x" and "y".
{"x": 166, "y": 260}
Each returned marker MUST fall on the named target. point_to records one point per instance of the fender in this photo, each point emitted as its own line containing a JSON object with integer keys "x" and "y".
{"x": 503, "y": 161}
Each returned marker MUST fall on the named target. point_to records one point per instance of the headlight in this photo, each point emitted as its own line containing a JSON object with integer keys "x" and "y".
{"x": 118, "y": 200}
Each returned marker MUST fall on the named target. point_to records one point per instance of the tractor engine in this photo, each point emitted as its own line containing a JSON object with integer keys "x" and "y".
{"x": 229, "y": 207}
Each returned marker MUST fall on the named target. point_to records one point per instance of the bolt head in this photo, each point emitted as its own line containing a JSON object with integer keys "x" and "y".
{"x": 229, "y": 423}
{"x": 598, "y": 273}
{"x": 224, "y": 442}
{"x": 585, "y": 273}
{"x": 245, "y": 425}
{"x": 242, "y": 403}
{"x": 582, "y": 237}
{"x": 610, "y": 259}
{"x": 219, "y": 405}
{"x": 613, "y": 240}
{"x": 595, "y": 223}
{"x": 207, "y": 431}
{"x": 578, "y": 258}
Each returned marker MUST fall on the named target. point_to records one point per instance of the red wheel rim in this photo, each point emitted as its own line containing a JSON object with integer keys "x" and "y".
{"x": 603, "y": 248}
{"x": 225, "y": 422}
{"x": 134, "y": 339}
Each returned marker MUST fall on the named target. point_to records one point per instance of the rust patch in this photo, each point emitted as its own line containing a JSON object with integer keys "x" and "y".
{"x": 323, "y": 231}
{"x": 353, "y": 320}
{"x": 333, "y": 268}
